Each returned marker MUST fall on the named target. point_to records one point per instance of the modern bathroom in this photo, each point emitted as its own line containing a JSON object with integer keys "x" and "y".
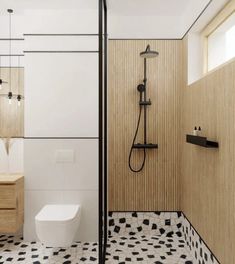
{"x": 117, "y": 126}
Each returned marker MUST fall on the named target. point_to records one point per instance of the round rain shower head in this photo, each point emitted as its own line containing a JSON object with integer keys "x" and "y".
{"x": 147, "y": 54}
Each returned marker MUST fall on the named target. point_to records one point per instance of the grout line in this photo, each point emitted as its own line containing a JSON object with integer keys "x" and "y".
{"x": 60, "y": 51}
{"x": 12, "y": 39}
{"x": 59, "y": 137}
{"x": 61, "y": 190}
{"x": 59, "y": 35}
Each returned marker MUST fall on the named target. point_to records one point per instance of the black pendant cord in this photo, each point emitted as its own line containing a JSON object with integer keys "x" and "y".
{"x": 132, "y": 147}
{"x": 9, "y": 49}
{"x": 18, "y": 75}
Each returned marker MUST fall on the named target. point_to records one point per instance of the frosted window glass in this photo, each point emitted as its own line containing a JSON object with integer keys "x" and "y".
{"x": 221, "y": 43}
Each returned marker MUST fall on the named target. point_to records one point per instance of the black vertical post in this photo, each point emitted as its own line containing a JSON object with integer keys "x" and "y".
{"x": 100, "y": 217}
{"x": 105, "y": 197}
{"x": 145, "y": 100}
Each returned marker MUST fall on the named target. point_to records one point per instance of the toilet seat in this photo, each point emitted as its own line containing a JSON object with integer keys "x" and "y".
{"x": 58, "y": 213}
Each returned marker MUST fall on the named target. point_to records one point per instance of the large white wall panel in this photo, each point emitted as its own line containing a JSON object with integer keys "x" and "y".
{"x": 14, "y": 61}
{"x": 17, "y": 47}
{"x": 43, "y": 172}
{"x": 50, "y": 21}
{"x": 61, "y": 43}
{"x": 61, "y": 21}
{"x": 61, "y": 91}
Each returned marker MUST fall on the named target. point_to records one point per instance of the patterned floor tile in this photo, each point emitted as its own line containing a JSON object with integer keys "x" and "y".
{"x": 148, "y": 249}
{"x": 15, "y": 250}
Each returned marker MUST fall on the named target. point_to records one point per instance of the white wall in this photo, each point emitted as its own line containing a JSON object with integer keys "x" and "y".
{"x": 195, "y": 57}
{"x": 50, "y": 182}
{"x": 61, "y": 94}
{"x": 61, "y": 116}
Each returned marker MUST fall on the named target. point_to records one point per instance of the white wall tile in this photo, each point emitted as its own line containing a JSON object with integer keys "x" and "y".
{"x": 61, "y": 95}
{"x": 88, "y": 229}
{"x": 14, "y": 61}
{"x": 61, "y": 43}
{"x": 17, "y": 47}
{"x": 43, "y": 173}
{"x": 61, "y": 21}
{"x": 34, "y": 201}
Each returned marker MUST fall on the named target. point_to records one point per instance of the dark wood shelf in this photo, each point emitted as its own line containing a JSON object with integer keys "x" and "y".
{"x": 145, "y": 146}
{"x": 201, "y": 141}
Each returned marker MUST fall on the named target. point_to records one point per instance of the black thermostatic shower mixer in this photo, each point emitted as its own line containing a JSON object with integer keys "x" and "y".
{"x": 143, "y": 103}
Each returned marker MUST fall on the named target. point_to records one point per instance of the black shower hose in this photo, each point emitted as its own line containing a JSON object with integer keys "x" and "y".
{"x": 132, "y": 147}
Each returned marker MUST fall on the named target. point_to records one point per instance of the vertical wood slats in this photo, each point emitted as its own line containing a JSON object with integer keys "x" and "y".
{"x": 207, "y": 180}
{"x": 155, "y": 188}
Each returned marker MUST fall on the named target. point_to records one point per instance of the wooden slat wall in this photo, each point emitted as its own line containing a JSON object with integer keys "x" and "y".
{"x": 156, "y": 187}
{"x": 207, "y": 182}
{"x": 11, "y": 116}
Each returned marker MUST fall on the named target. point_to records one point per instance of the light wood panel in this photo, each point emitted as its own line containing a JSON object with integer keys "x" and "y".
{"x": 12, "y": 116}
{"x": 207, "y": 182}
{"x": 155, "y": 188}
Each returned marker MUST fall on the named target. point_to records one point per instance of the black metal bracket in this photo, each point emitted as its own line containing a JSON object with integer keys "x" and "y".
{"x": 145, "y": 102}
{"x": 201, "y": 141}
{"x": 145, "y": 146}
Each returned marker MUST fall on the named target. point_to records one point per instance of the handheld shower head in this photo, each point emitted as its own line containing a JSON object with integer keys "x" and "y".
{"x": 148, "y": 53}
{"x": 141, "y": 88}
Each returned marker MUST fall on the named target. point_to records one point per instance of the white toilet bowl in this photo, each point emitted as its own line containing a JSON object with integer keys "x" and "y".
{"x": 56, "y": 225}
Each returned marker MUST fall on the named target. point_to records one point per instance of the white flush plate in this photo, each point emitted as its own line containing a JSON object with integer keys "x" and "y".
{"x": 64, "y": 156}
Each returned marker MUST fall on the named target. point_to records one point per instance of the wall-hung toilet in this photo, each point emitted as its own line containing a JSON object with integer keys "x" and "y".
{"x": 56, "y": 225}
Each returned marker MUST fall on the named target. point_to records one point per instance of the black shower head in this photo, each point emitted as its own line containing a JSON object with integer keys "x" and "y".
{"x": 148, "y": 53}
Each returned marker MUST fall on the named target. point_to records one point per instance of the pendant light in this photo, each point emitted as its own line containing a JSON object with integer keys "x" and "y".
{"x": 1, "y": 80}
{"x": 10, "y": 95}
{"x": 19, "y": 96}
{"x": 10, "y": 11}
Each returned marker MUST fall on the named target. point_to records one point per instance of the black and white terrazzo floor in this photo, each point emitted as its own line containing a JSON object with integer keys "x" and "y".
{"x": 148, "y": 249}
{"x": 15, "y": 250}
{"x": 134, "y": 237}
{"x": 146, "y": 238}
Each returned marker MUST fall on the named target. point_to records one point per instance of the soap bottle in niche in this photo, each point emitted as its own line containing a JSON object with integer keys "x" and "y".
{"x": 199, "y": 133}
{"x": 195, "y": 132}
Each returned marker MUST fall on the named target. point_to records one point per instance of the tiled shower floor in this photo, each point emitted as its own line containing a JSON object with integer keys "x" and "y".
{"x": 148, "y": 249}
{"x": 147, "y": 238}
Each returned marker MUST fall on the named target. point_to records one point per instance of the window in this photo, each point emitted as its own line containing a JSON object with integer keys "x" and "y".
{"x": 221, "y": 43}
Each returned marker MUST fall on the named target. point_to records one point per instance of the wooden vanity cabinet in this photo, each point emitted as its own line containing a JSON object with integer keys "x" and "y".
{"x": 11, "y": 203}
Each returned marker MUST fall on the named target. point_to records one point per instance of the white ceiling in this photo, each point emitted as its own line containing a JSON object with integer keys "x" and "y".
{"x": 148, "y": 7}
{"x": 163, "y": 19}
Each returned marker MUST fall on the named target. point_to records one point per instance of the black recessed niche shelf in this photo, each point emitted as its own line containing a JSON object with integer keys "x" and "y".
{"x": 201, "y": 141}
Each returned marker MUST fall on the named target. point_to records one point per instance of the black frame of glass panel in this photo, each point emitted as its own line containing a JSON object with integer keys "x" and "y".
{"x": 103, "y": 215}
{"x": 105, "y": 184}
{"x": 100, "y": 222}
